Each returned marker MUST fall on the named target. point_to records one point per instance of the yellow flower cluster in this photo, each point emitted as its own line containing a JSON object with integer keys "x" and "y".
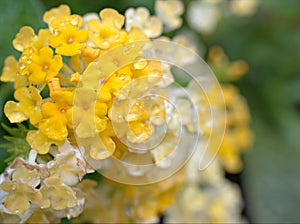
{"x": 89, "y": 93}
{"x": 207, "y": 197}
{"x": 70, "y": 60}
{"x": 238, "y": 136}
{"x": 127, "y": 204}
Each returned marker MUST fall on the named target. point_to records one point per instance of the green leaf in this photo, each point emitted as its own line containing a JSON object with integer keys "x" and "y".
{"x": 16, "y": 144}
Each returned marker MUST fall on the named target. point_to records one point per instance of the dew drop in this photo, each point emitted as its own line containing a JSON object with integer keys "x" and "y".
{"x": 101, "y": 81}
{"x": 56, "y": 31}
{"x": 122, "y": 77}
{"x": 116, "y": 62}
{"x": 105, "y": 44}
{"x": 74, "y": 21}
{"x": 140, "y": 63}
{"x": 22, "y": 65}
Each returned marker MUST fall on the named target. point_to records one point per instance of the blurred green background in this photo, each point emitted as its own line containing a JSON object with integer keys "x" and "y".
{"x": 270, "y": 42}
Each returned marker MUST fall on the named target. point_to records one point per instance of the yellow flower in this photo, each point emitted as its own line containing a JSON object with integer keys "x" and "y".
{"x": 68, "y": 40}
{"x": 44, "y": 66}
{"x": 21, "y": 188}
{"x": 238, "y": 135}
{"x": 28, "y": 106}
{"x": 28, "y": 43}
{"x": 67, "y": 165}
{"x": 223, "y": 68}
{"x": 107, "y": 33}
{"x": 61, "y": 11}
{"x": 40, "y": 142}
{"x": 57, "y": 195}
{"x": 88, "y": 115}
{"x": 20, "y": 196}
{"x": 97, "y": 73}
{"x": 24, "y": 39}
{"x": 67, "y": 37}
{"x": 57, "y": 115}
{"x": 10, "y": 73}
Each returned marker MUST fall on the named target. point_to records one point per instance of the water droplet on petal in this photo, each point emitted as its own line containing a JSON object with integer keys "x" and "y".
{"x": 22, "y": 65}
{"x": 105, "y": 44}
{"x": 74, "y": 21}
{"x": 140, "y": 63}
{"x": 56, "y": 31}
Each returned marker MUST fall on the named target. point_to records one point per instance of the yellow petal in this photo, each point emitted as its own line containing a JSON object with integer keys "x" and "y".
{"x": 49, "y": 109}
{"x": 8, "y": 186}
{"x": 39, "y": 142}
{"x": 111, "y": 17}
{"x": 59, "y": 195}
{"x": 24, "y": 38}
{"x": 54, "y": 128}
{"x": 62, "y": 10}
{"x": 16, "y": 202}
{"x": 42, "y": 40}
{"x": 9, "y": 72}
{"x": 102, "y": 148}
{"x": 86, "y": 129}
{"x": 14, "y": 113}
{"x": 35, "y": 116}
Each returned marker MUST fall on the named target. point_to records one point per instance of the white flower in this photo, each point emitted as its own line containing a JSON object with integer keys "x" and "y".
{"x": 169, "y": 12}
{"x": 141, "y": 18}
{"x": 203, "y": 16}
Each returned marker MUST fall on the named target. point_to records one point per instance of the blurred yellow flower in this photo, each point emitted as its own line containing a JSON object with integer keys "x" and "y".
{"x": 88, "y": 115}
{"x": 140, "y": 17}
{"x": 169, "y": 12}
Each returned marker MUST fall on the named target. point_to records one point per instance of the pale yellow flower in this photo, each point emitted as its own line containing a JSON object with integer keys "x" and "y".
{"x": 243, "y": 7}
{"x": 169, "y": 12}
{"x": 141, "y": 18}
